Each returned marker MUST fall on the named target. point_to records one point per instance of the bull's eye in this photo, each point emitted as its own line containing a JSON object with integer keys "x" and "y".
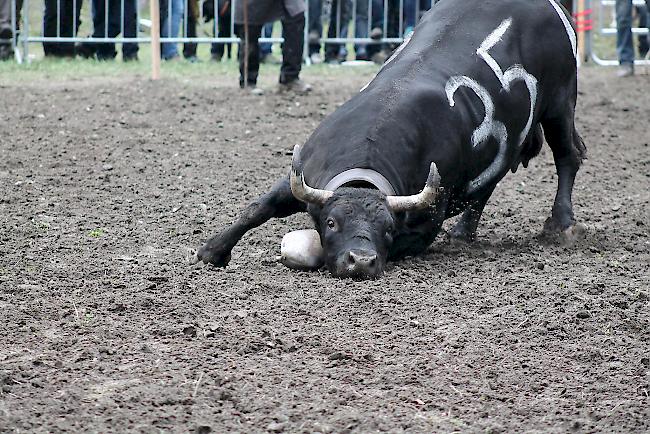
{"x": 331, "y": 224}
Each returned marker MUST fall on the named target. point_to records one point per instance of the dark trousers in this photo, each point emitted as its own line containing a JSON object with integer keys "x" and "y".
{"x": 292, "y": 32}
{"x": 340, "y": 15}
{"x": 315, "y": 23}
{"x": 189, "y": 48}
{"x": 224, "y": 17}
{"x": 64, "y": 26}
{"x": 112, "y": 28}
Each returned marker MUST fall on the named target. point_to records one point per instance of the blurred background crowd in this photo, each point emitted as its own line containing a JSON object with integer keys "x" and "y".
{"x": 370, "y": 20}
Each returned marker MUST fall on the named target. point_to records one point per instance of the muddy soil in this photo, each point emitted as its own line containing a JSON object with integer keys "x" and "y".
{"x": 106, "y": 185}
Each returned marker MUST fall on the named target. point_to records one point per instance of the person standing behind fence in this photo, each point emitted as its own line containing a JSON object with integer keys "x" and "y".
{"x": 60, "y": 19}
{"x": 292, "y": 15}
{"x": 6, "y": 30}
{"x": 171, "y": 16}
{"x": 624, "y": 40}
{"x": 644, "y": 21}
{"x": 103, "y": 29}
{"x": 189, "y": 48}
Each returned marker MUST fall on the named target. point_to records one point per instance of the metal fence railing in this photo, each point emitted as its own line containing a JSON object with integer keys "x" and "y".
{"x": 91, "y": 28}
{"x": 604, "y": 25}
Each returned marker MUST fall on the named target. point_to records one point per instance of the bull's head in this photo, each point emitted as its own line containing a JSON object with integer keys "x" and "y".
{"x": 357, "y": 225}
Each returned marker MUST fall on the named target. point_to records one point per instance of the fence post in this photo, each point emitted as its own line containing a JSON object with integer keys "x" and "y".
{"x": 24, "y": 34}
{"x": 155, "y": 39}
{"x": 305, "y": 36}
{"x": 581, "y": 31}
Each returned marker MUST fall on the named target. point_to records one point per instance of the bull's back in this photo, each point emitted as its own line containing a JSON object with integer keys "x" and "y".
{"x": 404, "y": 115}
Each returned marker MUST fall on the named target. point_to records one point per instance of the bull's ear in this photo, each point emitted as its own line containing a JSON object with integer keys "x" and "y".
{"x": 422, "y": 200}
{"x": 300, "y": 189}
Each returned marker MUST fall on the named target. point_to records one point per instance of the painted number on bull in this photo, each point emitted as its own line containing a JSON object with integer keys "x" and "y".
{"x": 491, "y": 127}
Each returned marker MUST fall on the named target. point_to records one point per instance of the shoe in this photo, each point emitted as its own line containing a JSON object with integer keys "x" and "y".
{"x": 270, "y": 59}
{"x": 297, "y": 86}
{"x": 362, "y": 56}
{"x": 252, "y": 89}
{"x": 333, "y": 60}
{"x": 376, "y": 33}
{"x": 315, "y": 58}
{"x": 85, "y": 50}
{"x": 192, "y": 59}
{"x": 216, "y": 57}
{"x": 379, "y": 58}
{"x": 6, "y": 52}
{"x": 625, "y": 70}
{"x": 131, "y": 58}
{"x": 313, "y": 38}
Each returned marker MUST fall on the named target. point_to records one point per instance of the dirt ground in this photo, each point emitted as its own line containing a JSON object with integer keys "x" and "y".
{"x": 106, "y": 328}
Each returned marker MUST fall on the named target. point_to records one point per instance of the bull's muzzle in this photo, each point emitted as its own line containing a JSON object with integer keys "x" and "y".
{"x": 358, "y": 264}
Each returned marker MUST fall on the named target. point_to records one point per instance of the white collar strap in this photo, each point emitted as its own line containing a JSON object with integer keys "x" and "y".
{"x": 365, "y": 175}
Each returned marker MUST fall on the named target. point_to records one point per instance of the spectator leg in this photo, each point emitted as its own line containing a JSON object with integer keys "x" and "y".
{"x": 106, "y": 50}
{"x": 189, "y": 48}
{"x": 338, "y": 22}
{"x": 5, "y": 20}
{"x": 170, "y": 27}
{"x": 217, "y": 49}
{"x": 6, "y": 32}
{"x": 50, "y": 27}
{"x": 624, "y": 46}
{"x": 130, "y": 49}
{"x": 377, "y": 20}
{"x": 292, "y": 30}
{"x": 254, "y": 33}
{"x": 410, "y": 16}
{"x": 361, "y": 29}
{"x": 315, "y": 25}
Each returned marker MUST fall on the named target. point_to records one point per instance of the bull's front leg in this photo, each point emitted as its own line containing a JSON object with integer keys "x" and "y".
{"x": 418, "y": 231}
{"x": 465, "y": 230}
{"x": 279, "y": 202}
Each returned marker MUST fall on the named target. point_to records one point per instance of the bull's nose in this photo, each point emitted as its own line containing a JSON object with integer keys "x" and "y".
{"x": 361, "y": 262}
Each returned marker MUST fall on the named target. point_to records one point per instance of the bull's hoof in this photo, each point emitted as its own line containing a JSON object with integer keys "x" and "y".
{"x": 213, "y": 256}
{"x": 573, "y": 234}
{"x": 459, "y": 235}
{"x": 567, "y": 236}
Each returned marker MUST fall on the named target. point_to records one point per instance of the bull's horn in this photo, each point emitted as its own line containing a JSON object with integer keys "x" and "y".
{"x": 422, "y": 200}
{"x": 300, "y": 189}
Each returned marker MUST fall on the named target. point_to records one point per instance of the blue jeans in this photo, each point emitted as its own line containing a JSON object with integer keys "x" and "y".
{"x": 360, "y": 30}
{"x": 624, "y": 40}
{"x": 170, "y": 25}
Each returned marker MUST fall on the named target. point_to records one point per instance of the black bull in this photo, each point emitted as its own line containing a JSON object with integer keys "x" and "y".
{"x": 475, "y": 91}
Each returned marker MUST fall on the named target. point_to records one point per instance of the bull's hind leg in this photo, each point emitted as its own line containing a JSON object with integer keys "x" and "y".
{"x": 465, "y": 229}
{"x": 279, "y": 202}
{"x": 568, "y": 153}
